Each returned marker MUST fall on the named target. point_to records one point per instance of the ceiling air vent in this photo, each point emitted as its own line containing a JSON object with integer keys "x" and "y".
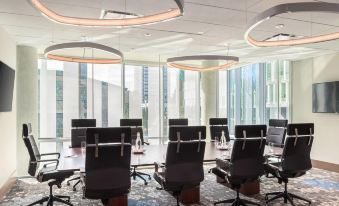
{"x": 111, "y": 14}
{"x": 281, "y": 36}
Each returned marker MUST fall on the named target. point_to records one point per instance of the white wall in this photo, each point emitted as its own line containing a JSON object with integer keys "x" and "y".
{"x": 304, "y": 74}
{"x": 8, "y": 134}
{"x": 27, "y": 100}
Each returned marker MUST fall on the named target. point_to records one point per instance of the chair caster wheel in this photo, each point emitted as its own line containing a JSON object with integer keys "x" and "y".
{"x": 146, "y": 183}
{"x": 74, "y": 189}
{"x": 68, "y": 184}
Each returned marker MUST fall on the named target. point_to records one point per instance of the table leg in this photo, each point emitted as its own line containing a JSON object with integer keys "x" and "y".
{"x": 248, "y": 189}
{"x": 190, "y": 196}
{"x": 121, "y": 201}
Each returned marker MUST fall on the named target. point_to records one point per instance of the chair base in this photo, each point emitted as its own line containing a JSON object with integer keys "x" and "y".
{"x": 53, "y": 198}
{"x": 288, "y": 197}
{"x": 76, "y": 183}
{"x": 135, "y": 174}
{"x": 237, "y": 201}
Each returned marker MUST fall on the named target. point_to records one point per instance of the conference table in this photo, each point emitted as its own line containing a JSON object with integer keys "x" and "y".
{"x": 73, "y": 159}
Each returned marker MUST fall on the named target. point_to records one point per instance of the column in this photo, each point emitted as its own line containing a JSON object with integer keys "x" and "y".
{"x": 208, "y": 93}
{"x": 27, "y": 100}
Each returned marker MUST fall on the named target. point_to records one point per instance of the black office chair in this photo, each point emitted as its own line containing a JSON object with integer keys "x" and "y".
{"x": 108, "y": 161}
{"x": 136, "y": 127}
{"x": 177, "y": 122}
{"x": 246, "y": 163}
{"x": 79, "y": 127}
{"x": 295, "y": 160}
{"x": 250, "y": 131}
{"x": 276, "y": 132}
{"x": 183, "y": 168}
{"x": 217, "y": 126}
{"x": 78, "y": 135}
{"x": 47, "y": 173}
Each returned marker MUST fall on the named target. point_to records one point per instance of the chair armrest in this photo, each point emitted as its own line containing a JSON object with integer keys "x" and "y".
{"x": 49, "y": 154}
{"x": 268, "y": 157}
{"x": 146, "y": 143}
{"x": 49, "y": 160}
{"x": 158, "y": 165}
{"x": 273, "y": 166}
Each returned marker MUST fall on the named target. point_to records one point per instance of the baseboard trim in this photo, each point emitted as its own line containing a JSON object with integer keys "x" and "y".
{"x": 7, "y": 186}
{"x": 325, "y": 166}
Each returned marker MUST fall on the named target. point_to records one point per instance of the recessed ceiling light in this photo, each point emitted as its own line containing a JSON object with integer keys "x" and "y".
{"x": 279, "y": 26}
{"x": 148, "y": 34}
{"x": 201, "y": 32}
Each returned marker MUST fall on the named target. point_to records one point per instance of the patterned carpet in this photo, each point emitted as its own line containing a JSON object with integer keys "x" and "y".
{"x": 322, "y": 187}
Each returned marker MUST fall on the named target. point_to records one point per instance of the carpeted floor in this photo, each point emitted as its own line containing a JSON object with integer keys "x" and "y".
{"x": 322, "y": 187}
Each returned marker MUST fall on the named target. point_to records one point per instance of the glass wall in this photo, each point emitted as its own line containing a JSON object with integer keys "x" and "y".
{"x": 254, "y": 93}
{"x": 277, "y": 90}
{"x": 108, "y": 93}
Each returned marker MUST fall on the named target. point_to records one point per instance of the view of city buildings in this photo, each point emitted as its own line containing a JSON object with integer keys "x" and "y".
{"x": 249, "y": 95}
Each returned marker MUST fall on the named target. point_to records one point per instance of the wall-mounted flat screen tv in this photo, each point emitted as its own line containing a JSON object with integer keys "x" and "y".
{"x": 7, "y": 77}
{"x": 325, "y": 97}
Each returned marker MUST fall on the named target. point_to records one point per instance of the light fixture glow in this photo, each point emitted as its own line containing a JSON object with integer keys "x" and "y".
{"x": 288, "y": 8}
{"x": 231, "y": 61}
{"x": 90, "y": 45}
{"x": 142, "y": 20}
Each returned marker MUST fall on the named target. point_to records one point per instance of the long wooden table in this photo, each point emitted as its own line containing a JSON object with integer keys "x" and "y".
{"x": 73, "y": 159}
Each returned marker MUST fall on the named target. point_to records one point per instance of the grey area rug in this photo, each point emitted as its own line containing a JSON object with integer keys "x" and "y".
{"x": 322, "y": 187}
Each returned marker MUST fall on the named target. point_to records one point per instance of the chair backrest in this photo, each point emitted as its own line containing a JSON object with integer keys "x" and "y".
{"x": 296, "y": 154}
{"x": 108, "y": 158}
{"x": 78, "y": 123}
{"x": 131, "y": 122}
{"x": 32, "y": 148}
{"x": 79, "y": 127}
{"x": 218, "y": 121}
{"x": 187, "y": 133}
{"x": 136, "y": 127}
{"x": 250, "y": 131}
{"x": 247, "y": 159}
{"x": 276, "y": 132}
{"x": 184, "y": 158}
{"x": 217, "y": 126}
{"x": 178, "y": 122}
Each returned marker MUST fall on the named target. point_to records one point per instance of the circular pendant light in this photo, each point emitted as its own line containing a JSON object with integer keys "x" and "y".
{"x": 76, "y": 21}
{"x": 230, "y": 61}
{"x": 292, "y": 8}
{"x": 73, "y": 45}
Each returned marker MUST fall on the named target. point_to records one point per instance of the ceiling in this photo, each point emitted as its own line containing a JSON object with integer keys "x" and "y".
{"x": 207, "y": 27}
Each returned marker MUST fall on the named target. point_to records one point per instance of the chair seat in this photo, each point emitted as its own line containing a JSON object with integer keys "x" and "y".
{"x": 160, "y": 177}
{"x": 50, "y": 173}
{"x": 276, "y": 170}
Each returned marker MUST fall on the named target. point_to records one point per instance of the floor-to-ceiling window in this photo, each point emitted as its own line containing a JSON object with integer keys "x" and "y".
{"x": 108, "y": 93}
{"x": 180, "y": 96}
{"x": 277, "y": 90}
{"x": 254, "y": 93}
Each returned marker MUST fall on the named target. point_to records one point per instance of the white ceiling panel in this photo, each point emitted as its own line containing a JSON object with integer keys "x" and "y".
{"x": 208, "y": 27}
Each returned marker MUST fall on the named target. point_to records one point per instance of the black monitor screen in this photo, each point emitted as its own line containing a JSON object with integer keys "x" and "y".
{"x": 7, "y": 76}
{"x": 324, "y": 97}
